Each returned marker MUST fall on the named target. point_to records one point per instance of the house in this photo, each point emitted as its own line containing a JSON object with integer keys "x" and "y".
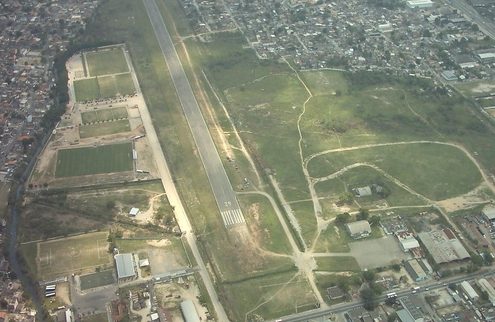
{"x": 359, "y": 229}
{"x": 485, "y": 286}
{"x": 134, "y": 212}
{"x": 362, "y": 191}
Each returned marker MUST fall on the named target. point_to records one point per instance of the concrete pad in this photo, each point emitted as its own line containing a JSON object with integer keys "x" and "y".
{"x": 372, "y": 253}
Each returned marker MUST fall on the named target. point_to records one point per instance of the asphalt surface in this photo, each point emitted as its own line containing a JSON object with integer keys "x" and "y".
{"x": 312, "y": 315}
{"x": 219, "y": 181}
{"x": 174, "y": 199}
{"x": 485, "y": 26}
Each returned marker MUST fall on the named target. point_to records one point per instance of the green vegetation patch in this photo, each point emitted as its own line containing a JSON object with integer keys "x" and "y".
{"x": 101, "y": 317}
{"x": 29, "y": 251}
{"x": 92, "y": 130}
{"x": 433, "y": 170}
{"x": 269, "y": 297}
{"x": 104, "y": 87}
{"x": 97, "y": 279}
{"x": 326, "y": 82}
{"x": 60, "y": 257}
{"x": 118, "y": 85}
{"x": 103, "y": 115}
{"x": 94, "y": 160}
{"x": 306, "y": 218}
{"x": 86, "y": 89}
{"x": 264, "y": 223}
{"x": 337, "y": 264}
{"x": 333, "y": 239}
{"x": 339, "y": 191}
{"x": 106, "y": 61}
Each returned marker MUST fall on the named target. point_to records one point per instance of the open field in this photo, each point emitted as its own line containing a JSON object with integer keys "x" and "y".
{"x": 435, "y": 171}
{"x": 334, "y": 189}
{"x": 106, "y": 61}
{"x": 337, "y": 264}
{"x": 100, "y": 317}
{"x": 94, "y": 160}
{"x": 269, "y": 297}
{"x": 477, "y": 88}
{"x": 89, "y": 89}
{"x": 107, "y": 128}
{"x": 264, "y": 224}
{"x": 97, "y": 279}
{"x": 165, "y": 255}
{"x": 81, "y": 253}
{"x": 117, "y": 85}
{"x": 103, "y": 115}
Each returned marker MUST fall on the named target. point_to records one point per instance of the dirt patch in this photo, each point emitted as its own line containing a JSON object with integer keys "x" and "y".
{"x": 63, "y": 293}
{"x": 472, "y": 198}
{"x": 159, "y": 243}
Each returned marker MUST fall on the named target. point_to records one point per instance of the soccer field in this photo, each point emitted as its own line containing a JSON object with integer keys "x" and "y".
{"x": 103, "y": 87}
{"x": 94, "y": 160}
{"x": 109, "y": 114}
{"x": 106, "y": 61}
{"x": 64, "y": 256}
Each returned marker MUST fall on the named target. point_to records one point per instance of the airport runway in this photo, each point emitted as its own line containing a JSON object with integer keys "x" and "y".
{"x": 219, "y": 181}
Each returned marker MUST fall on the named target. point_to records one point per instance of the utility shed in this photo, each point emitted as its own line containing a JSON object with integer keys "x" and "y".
{"x": 125, "y": 266}
{"x": 469, "y": 291}
{"x": 189, "y": 311}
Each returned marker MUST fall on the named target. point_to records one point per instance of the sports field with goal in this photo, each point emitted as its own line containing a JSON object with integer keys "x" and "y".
{"x": 94, "y": 160}
{"x": 78, "y": 254}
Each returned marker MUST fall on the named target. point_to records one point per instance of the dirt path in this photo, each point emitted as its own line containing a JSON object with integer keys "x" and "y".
{"x": 385, "y": 174}
{"x": 455, "y": 145}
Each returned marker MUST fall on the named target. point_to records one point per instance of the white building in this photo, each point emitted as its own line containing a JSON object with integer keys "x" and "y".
{"x": 469, "y": 291}
{"x": 359, "y": 229}
{"x": 413, "y": 4}
{"x": 488, "y": 288}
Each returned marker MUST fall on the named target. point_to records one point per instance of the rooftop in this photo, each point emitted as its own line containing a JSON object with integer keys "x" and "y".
{"x": 125, "y": 265}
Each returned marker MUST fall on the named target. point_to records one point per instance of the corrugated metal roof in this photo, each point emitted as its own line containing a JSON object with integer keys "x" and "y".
{"x": 189, "y": 311}
{"x": 359, "y": 227}
{"x": 125, "y": 265}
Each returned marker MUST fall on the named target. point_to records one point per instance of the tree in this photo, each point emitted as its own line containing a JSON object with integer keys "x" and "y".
{"x": 368, "y": 297}
{"x": 343, "y": 218}
{"x": 363, "y": 214}
{"x": 374, "y": 220}
{"x": 368, "y": 276}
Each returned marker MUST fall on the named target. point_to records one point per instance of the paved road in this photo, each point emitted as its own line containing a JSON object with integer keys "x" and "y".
{"x": 485, "y": 26}
{"x": 174, "y": 199}
{"x": 343, "y": 307}
{"x": 220, "y": 184}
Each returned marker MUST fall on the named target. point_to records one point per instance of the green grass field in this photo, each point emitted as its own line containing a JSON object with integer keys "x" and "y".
{"x": 269, "y": 297}
{"x": 106, "y": 61}
{"x": 94, "y": 160}
{"x": 107, "y": 128}
{"x": 86, "y": 89}
{"x": 104, "y": 87}
{"x": 60, "y": 257}
{"x": 333, "y": 189}
{"x": 263, "y": 222}
{"x": 109, "y": 114}
{"x": 433, "y": 170}
{"x": 337, "y": 264}
{"x": 97, "y": 279}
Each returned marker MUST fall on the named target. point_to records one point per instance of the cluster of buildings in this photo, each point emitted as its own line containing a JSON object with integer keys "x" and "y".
{"x": 418, "y": 37}
{"x": 31, "y": 34}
